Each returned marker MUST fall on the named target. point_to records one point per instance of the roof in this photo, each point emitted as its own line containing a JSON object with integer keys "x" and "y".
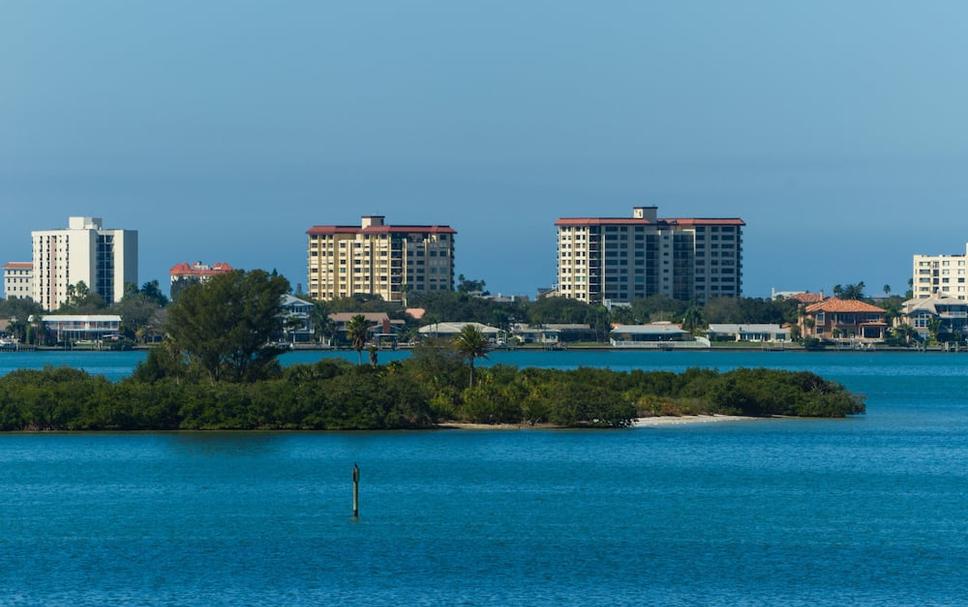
{"x": 18, "y": 265}
{"x": 415, "y": 313}
{"x": 929, "y": 304}
{"x": 806, "y": 297}
{"x": 199, "y": 269}
{"x": 746, "y": 328}
{"x": 525, "y": 327}
{"x": 650, "y": 329}
{"x": 292, "y": 300}
{"x": 676, "y": 221}
{"x": 835, "y": 304}
{"x": 398, "y": 229}
{"x": 448, "y": 328}
{"x": 80, "y": 318}
{"x": 369, "y": 316}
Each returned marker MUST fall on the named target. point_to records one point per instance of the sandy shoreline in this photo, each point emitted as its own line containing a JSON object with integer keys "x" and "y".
{"x": 641, "y": 422}
{"x": 655, "y": 422}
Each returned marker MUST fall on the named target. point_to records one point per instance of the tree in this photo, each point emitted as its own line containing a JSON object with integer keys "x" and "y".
{"x": 225, "y": 325}
{"x": 357, "y": 331}
{"x": 80, "y": 300}
{"x": 151, "y": 291}
{"x": 887, "y": 290}
{"x": 850, "y": 291}
{"x": 693, "y": 320}
{"x": 323, "y": 325}
{"x": 471, "y": 344}
{"x": 465, "y": 285}
{"x": 374, "y": 356}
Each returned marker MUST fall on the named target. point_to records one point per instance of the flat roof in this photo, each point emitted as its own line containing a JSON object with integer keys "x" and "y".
{"x": 397, "y": 229}
{"x": 667, "y": 221}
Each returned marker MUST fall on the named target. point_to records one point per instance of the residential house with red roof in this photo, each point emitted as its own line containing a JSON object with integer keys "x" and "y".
{"x": 185, "y": 274}
{"x": 836, "y": 319}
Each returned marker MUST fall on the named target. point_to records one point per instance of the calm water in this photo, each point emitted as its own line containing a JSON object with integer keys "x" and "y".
{"x": 867, "y": 511}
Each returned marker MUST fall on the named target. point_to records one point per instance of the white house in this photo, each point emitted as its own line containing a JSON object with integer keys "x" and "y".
{"x": 748, "y": 332}
{"x": 655, "y": 335}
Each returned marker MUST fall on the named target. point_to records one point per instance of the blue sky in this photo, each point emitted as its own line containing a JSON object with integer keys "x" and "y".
{"x": 221, "y": 130}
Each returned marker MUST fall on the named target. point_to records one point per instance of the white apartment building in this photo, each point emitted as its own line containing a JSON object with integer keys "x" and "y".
{"x": 18, "y": 279}
{"x": 374, "y": 258}
{"x": 618, "y": 259}
{"x": 104, "y": 259}
{"x": 940, "y": 276}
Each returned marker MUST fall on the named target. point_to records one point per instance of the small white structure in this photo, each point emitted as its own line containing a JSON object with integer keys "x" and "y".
{"x": 655, "y": 335}
{"x": 450, "y": 329}
{"x": 748, "y": 332}
{"x": 72, "y": 327}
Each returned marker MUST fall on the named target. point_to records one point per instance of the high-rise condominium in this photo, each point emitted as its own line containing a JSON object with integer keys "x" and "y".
{"x": 378, "y": 259}
{"x": 624, "y": 258}
{"x": 105, "y": 260}
{"x": 940, "y": 275}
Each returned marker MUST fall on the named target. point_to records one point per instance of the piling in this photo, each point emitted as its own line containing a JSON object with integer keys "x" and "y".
{"x": 356, "y": 491}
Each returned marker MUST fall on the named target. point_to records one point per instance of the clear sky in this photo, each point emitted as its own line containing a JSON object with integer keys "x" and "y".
{"x": 221, "y": 130}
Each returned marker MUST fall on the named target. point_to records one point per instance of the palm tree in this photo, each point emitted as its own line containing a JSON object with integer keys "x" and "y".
{"x": 323, "y": 325}
{"x": 374, "y": 356}
{"x": 692, "y": 320}
{"x": 887, "y": 290}
{"x": 471, "y": 344}
{"x": 357, "y": 330}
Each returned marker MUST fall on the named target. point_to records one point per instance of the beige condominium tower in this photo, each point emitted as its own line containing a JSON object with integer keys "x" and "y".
{"x": 940, "y": 275}
{"x": 619, "y": 259}
{"x": 374, "y": 258}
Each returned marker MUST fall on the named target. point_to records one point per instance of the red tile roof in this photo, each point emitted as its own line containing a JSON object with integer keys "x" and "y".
{"x": 431, "y": 229}
{"x": 675, "y": 221}
{"x": 199, "y": 270}
{"x": 18, "y": 265}
{"x": 835, "y": 304}
{"x": 807, "y": 298}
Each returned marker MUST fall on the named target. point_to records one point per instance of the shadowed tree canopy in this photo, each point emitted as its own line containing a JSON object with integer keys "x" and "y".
{"x": 224, "y": 326}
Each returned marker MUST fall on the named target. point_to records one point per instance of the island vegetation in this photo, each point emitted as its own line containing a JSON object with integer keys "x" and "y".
{"x": 218, "y": 369}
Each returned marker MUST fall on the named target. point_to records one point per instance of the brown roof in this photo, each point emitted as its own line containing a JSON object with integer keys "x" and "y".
{"x": 807, "y": 298}
{"x": 434, "y": 229}
{"x": 369, "y": 316}
{"x": 18, "y": 265}
{"x": 632, "y": 221}
{"x": 835, "y": 304}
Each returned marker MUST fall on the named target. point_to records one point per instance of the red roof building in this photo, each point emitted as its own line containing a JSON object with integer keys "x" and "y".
{"x": 843, "y": 320}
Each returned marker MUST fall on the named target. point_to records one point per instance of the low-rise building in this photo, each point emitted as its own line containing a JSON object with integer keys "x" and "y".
{"x": 836, "y": 319}
{"x": 771, "y": 333}
{"x": 18, "y": 279}
{"x": 297, "y": 319}
{"x": 655, "y": 335}
{"x": 949, "y": 313}
{"x": 185, "y": 274}
{"x": 381, "y": 326}
{"x": 451, "y": 329}
{"x": 76, "y": 327}
{"x": 552, "y": 333}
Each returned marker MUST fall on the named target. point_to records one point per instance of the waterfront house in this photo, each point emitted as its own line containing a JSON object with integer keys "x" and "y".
{"x": 950, "y": 314}
{"x": 553, "y": 333}
{"x": 381, "y": 327}
{"x": 449, "y": 330}
{"x": 297, "y": 319}
{"x": 76, "y": 327}
{"x": 772, "y": 333}
{"x": 844, "y": 320}
{"x": 655, "y": 335}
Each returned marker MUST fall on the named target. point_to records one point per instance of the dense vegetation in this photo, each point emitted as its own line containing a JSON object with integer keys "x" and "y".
{"x": 430, "y": 388}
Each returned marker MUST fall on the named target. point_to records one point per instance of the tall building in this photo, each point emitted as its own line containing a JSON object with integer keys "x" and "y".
{"x": 378, "y": 259}
{"x": 185, "y": 274}
{"x": 624, "y": 258}
{"x": 103, "y": 259}
{"x": 940, "y": 275}
{"x": 18, "y": 279}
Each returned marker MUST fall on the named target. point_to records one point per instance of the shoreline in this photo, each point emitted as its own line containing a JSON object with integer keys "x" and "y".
{"x": 638, "y": 422}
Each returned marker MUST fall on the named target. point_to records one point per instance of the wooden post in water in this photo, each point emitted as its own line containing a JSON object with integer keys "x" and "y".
{"x": 356, "y": 491}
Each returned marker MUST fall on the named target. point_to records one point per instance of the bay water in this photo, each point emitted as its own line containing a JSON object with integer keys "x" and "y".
{"x": 871, "y": 510}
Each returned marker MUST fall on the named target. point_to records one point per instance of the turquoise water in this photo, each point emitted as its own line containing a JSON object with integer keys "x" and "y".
{"x": 866, "y": 511}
